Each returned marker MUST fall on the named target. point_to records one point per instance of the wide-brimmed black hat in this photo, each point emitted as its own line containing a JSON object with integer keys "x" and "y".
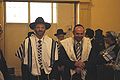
{"x": 39, "y": 20}
{"x": 60, "y": 31}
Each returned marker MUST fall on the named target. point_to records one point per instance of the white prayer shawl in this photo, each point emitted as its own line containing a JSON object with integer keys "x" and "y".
{"x": 68, "y": 45}
{"x": 1, "y": 76}
{"x": 46, "y": 55}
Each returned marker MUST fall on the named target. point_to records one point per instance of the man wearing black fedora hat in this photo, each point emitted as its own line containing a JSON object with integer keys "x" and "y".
{"x": 60, "y": 34}
{"x": 38, "y": 52}
{"x": 60, "y": 70}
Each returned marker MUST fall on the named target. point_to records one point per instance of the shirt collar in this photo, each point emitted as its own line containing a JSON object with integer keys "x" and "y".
{"x": 76, "y": 42}
{"x": 37, "y": 39}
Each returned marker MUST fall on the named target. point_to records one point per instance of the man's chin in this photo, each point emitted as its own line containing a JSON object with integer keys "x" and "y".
{"x": 78, "y": 39}
{"x": 40, "y": 34}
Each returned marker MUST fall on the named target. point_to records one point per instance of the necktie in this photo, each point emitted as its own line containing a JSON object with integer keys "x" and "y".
{"x": 40, "y": 54}
{"x": 78, "y": 51}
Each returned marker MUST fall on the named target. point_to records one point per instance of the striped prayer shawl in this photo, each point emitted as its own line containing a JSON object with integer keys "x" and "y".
{"x": 20, "y": 52}
{"x": 53, "y": 53}
{"x": 68, "y": 46}
{"x": 28, "y": 54}
{"x": 108, "y": 54}
{"x": 117, "y": 62}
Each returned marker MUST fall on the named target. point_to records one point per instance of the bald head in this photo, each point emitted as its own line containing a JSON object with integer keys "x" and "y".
{"x": 78, "y": 32}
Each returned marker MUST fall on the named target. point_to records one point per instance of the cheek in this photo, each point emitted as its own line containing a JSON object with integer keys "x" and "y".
{"x": 43, "y": 30}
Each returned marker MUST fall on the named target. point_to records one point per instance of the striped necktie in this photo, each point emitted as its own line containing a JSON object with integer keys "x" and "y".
{"x": 40, "y": 54}
{"x": 78, "y": 50}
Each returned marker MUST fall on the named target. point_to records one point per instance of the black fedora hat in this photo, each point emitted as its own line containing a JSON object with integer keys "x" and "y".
{"x": 60, "y": 31}
{"x": 39, "y": 20}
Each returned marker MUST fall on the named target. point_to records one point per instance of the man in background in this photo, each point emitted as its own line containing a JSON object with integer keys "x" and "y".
{"x": 60, "y": 69}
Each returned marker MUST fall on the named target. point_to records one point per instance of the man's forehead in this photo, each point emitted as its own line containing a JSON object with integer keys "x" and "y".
{"x": 79, "y": 29}
{"x": 40, "y": 24}
{"x": 61, "y": 35}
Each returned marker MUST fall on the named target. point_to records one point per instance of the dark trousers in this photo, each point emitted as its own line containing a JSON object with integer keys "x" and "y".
{"x": 117, "y": 75}
{"x": 64, "y": 74}
{"x": 57, "y": 74}
{"x": 43, "y": 76}
{"x": 105, "y": 73}
{"x": 91, "y": 73}
{"x": 26, "y": 74}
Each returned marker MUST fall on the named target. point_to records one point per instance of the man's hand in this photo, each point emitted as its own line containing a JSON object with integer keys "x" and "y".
{"x": 78, "y": 70}
{"x": 61, "y": 68}
{"x": 80, "y": 64}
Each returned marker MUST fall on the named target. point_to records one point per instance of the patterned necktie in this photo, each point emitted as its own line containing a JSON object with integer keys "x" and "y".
{"x": 78, "y": 51}
{"x": 40, "y": 54}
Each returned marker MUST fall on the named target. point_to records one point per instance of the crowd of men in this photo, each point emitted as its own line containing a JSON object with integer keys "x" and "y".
{"x": 87, "y": 55}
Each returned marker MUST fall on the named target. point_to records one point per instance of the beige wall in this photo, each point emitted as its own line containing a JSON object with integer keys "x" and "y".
{"x": 105, "y": 14}
{"x": 14, "y": 36}
{"x": 85, "y": 14}
{"x": 65, "y": 12}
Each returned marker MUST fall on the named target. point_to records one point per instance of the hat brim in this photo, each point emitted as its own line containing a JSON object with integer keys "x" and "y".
{"x": 33, "y": 25}
{"x": 60, "y": 33}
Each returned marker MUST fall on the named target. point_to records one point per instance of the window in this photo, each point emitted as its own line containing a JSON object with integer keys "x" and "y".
{"x": 17, "y": 12}
{"x": 40, "y": 9}
{"x": 54, "y": 13}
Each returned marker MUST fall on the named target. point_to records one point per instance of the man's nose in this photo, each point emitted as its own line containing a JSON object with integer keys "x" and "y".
{"x": 40, "y": 29}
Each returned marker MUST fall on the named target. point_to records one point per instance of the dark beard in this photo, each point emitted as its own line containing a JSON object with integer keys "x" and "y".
{"x": 40, "y": 33}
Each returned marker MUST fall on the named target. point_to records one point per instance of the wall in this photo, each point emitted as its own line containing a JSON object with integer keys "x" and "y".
{"x": 85, "y": 14}
{"x": 105, "y": 14}
{"x": 14, "y": 36}
{"x": 2, "y": 24}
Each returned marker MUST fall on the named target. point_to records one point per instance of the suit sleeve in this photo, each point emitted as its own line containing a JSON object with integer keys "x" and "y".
{"x": 64, "y": 59}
